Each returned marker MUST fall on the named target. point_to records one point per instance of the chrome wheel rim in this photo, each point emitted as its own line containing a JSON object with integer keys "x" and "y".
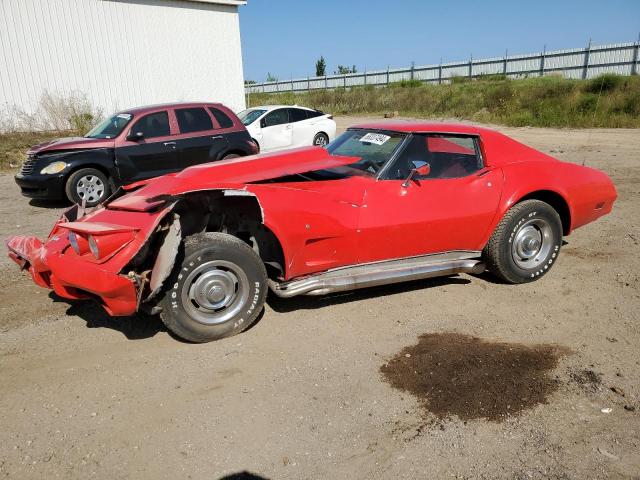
{"x": 215, "y": 292}
{"x": 321, "y": 141}
{"x": 90, "y": 188}
{"x": 532, "y": 243}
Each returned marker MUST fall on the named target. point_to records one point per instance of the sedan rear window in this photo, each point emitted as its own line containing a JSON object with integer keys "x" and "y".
{"x": 193, "y": 120}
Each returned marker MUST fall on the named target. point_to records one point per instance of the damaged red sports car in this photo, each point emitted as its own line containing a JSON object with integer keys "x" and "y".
{"x": 385, "y": 202}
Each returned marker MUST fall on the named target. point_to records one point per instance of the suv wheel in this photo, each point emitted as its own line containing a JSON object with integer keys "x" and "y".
{"x": 217, "y": 290}
{"x": 87, "y": 185}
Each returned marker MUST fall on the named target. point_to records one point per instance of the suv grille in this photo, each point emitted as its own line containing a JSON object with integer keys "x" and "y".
{"x": 27, "y": 166}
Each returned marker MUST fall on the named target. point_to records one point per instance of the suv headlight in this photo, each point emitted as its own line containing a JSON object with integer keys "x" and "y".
{"x": 55, "y": 167}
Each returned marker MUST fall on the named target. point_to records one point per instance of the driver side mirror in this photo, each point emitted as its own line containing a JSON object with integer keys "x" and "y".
{"x": 421, "y": 171}
{"x": 263, "y": 123}
{"x": 134, "y": 137}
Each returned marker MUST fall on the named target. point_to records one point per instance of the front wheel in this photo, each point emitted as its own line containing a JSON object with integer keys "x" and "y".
{"x": 217, "y": 290}
{"x": 87, "y": 185}
{"x": 526, "y": 242}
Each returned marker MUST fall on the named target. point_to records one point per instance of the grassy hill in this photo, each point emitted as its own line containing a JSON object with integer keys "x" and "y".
{"x": 605, "y": 101}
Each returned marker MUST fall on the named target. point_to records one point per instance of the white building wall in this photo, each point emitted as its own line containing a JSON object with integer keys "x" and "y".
{"x": 120, "y": 53}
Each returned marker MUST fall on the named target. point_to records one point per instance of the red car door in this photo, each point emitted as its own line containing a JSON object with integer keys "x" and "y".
{"x": 451, "y": 208}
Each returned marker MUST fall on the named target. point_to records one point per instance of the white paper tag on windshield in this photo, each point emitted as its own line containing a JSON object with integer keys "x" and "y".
{"x": 376, "y": 138}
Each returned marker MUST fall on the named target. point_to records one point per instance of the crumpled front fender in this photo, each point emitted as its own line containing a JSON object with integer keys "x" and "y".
{"x": 28, "y": 253}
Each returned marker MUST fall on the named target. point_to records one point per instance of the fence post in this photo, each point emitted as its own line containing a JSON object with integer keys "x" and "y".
{"x": 587, "y": 54}
{"x": 344, "y": 81}
{"x": 291, "y": 83}
{"x": 388, "y": 74}
{"x": 636, "y": 54}
{"x": 504, "y": 64}
{"x": 365, "y": 75}
{"x": 440, "y": 72}
{"x": 542, "y": 58}
{"x": 326, "y": 85}
{"x": 471, "y": 66}
{"x": 308, "y": 84}
{"x": 413, "y": 66}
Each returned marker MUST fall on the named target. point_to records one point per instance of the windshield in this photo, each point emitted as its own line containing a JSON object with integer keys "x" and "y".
{"x": 111, "y": 127}
{"x": 374, "y": 148}
{"x": 247, "y": 117}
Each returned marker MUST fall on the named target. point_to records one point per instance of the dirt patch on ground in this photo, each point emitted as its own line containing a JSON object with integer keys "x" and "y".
{"x": 454, "y": 374}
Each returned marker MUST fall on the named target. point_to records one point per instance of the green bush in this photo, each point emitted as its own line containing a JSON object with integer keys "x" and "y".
{"x": 540, "y": 101}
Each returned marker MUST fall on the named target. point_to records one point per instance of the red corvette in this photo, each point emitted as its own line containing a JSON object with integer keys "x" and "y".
{"x": 385, "y": 202}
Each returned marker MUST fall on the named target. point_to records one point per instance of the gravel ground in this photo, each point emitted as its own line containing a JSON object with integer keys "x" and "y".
{"x": 301, "y": 394}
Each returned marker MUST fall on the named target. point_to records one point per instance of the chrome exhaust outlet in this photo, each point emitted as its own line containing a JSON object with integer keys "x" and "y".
{"x": 380, "y": 273}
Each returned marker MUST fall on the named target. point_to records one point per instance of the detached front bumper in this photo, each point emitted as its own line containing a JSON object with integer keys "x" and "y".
{"x": 52, "y": 265}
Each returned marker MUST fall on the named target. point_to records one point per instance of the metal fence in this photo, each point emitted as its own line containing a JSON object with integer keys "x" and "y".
{"x": 594, "y": 60}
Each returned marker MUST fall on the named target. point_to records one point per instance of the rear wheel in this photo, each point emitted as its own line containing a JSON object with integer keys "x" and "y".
{"x": 87, "y": 185}
{"x": 526, "y": 242}
{"x": 321, "y": 140}
{"x": 217, "y": 290}
{"x": 230, "y": 155}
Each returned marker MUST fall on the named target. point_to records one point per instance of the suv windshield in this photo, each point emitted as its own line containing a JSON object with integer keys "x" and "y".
{"x": 111, "y": 127}
{"x": 374, "y": 148}
{"x": 247, "y": 117}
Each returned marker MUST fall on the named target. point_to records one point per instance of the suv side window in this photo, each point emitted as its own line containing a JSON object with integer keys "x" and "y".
{"x": 153, "y": 125}
{"x": 277, "y": 117}
{"x": 193, "y": 120}
{"x": 449, "y": 156}
{"x": 222, "y": 118}
{"x": 297, "y": 115}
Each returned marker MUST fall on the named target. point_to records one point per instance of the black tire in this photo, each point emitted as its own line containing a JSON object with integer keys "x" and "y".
{"x": 231, "y": 155}
{"x": 217, "y": 288}
{"x": 321, "y": 140}
{"x": 526, "y": 242}
{"x": 88, "y": 183}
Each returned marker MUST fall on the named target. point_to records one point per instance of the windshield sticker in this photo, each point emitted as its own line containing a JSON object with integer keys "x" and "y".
{"x": 376, "y": 138}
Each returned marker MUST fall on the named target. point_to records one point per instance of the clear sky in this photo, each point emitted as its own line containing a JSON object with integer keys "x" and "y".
{"x": 286, "y": 37}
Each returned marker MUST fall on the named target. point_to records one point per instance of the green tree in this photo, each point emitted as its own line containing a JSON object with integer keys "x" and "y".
{"x": 342, "y": 70}
{"x": 271, "y": 78}
{"x": 321, "y": 67}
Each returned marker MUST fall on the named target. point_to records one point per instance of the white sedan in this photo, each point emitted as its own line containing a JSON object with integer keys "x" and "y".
{"x": 277, "y": 127}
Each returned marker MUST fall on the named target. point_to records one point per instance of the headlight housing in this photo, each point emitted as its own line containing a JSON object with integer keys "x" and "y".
{"x": 52, "y": 168}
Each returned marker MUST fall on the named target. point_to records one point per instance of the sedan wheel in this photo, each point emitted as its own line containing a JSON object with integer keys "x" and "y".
{"x": 321, "y": 140}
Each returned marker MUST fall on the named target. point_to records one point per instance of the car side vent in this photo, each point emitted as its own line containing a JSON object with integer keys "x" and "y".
{"x": 27, "y": 166}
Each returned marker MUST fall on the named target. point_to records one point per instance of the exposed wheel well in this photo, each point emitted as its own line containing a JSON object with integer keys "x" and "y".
{"x": 558, "y": 203}
{"x": 239, "y": 215}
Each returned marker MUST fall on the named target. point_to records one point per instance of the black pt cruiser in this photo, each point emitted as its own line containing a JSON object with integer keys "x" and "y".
{"x": 133, "y": 145}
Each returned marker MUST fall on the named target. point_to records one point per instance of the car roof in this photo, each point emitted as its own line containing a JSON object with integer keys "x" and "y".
{"x": 150, "y": 108}
{"x": 409, "y": 126}
{"x": 274, "y": 107}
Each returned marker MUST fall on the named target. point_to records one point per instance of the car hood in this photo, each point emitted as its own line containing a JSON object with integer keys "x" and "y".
{"x": 71, "y": 143}
{"x": 232, "y": 174}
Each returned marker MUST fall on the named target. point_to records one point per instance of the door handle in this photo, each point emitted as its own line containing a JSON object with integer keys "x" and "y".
{"x": 167, "y": 144}
{"x": 217, "y": 137}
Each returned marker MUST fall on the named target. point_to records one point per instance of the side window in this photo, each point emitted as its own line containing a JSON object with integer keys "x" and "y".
{"x": 297, "y": 115}
{"x": 449, "y": 156}
{"x": 314, "y": 113}
{"x": 153, "y": 125}
{"x": 453, "y": 156}
{"x": 222, "y": 118}
{"x": 277, "y": 117}
{"x": 193, "y": 120}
